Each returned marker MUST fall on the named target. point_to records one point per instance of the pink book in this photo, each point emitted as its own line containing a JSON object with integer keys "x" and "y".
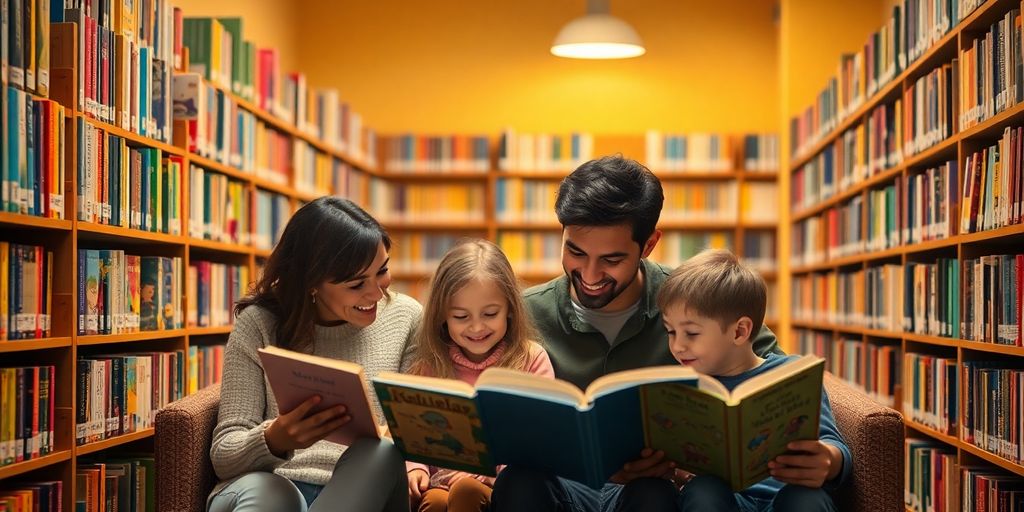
{"x": 294, "y": 377}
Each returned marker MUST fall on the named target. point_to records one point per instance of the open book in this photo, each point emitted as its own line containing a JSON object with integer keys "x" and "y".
{"x": 294, "y": 377}
{"x": 513, "y": 417}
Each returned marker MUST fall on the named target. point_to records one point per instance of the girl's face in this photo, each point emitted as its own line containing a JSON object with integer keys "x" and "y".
{"x": 477, "y": 318}
{"x": 355, "y": 301}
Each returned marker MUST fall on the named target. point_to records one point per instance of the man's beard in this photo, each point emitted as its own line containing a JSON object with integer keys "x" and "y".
{"x": 604, "y": 298}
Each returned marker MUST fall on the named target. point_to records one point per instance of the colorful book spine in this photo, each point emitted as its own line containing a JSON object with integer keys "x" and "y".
{"x": 26, "y": 417}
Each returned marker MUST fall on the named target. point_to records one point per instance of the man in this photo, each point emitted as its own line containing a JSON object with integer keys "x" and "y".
{"x": 601, "y": 317}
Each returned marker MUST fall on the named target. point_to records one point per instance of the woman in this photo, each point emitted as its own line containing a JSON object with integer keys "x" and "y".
{"x": 324, "y": 292}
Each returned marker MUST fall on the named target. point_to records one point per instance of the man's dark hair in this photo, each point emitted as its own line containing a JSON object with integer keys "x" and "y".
{"x": 609, "y": 191}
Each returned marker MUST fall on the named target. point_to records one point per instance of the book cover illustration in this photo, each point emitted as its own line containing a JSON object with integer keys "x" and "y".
{"x": 441, "y": 429}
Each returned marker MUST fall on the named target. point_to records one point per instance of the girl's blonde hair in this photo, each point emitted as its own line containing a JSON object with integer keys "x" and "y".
{"x": 470, "y": 260}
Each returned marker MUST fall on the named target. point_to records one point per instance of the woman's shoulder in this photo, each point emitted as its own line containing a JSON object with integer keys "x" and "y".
{"x": 402, "y": 305}
{"x": 254, "y": 323}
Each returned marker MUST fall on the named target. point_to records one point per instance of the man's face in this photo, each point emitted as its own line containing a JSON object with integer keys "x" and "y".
{"x": 601, "y": 262}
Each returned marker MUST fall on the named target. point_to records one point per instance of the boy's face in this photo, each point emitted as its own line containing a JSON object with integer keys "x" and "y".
{"x": 701, "y": 343}
{"x": 602, "y": 262}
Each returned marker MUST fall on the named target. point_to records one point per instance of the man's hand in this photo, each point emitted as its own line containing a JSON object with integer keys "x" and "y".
{"x": 650, "y": 464}
{"x": 814, "y": 464}
{"x": 419, "y": 481}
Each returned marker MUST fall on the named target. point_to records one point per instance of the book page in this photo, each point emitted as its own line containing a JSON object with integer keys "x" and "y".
{"x": 436, "y": 428}
{"x": 688, "y": 424}
{"x": 529, "y": 385}
{"x": 788, "y": 411}
{"x": 630, "y": 378}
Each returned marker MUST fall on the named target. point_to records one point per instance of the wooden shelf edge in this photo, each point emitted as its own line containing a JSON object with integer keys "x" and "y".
{"x": 134, "y": 234}
{"x": 34, "y": 344}
{"x": 212, "y": 245}
{"x": 20, "y": 468}
{"x": 33, "y": 221}
{"x": 992, "y": 458}
{"x": 207, "y": 331}
{"x": 112, "y": 442}
{"x": 110, "y": 339}
{"x": 931, "y": 432}
{"x": 134, "y": 137}
{"x": 980, "y": 346}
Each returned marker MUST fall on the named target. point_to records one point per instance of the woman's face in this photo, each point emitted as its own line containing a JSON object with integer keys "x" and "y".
{"x": 355, "y": 300}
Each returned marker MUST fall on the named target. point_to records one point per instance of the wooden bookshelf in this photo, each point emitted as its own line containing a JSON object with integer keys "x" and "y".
{"x": 958, "y": 147}
{"x": 64, "y": 237}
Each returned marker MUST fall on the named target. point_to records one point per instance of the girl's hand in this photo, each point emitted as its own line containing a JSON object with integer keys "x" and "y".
{"x": 815, "y": 464}
{"x": 294, "y": 429}
{"x": 419, "y": 481}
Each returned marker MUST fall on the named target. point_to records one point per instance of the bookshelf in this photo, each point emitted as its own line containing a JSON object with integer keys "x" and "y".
{"x": 64, "y": 237}
{"x": 531, "y": 235}
{"x": 839, "y": 281}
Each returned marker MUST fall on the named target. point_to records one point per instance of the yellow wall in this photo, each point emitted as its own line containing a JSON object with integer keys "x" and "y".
{"x": 813, "y": 34}
{"x": 457, "y": 66}
{"x": 268, "y": 23}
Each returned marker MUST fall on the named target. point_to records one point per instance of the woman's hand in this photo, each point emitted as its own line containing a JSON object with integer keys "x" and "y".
{"x": 294, "y": 429}
{"x": 419, "y": 481}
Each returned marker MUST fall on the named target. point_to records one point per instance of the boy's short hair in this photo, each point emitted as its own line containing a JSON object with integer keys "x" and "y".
{"x": 716, "y": 285}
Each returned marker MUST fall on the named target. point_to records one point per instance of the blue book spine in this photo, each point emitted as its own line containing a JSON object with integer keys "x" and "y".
{"x": 144, "y": 90}
{"x": 12, "y": 186}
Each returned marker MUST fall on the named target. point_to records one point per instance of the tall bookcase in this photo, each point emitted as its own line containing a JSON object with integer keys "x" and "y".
{"x": 956, "y": 147}
{"x": 66, "y": 236}
{"x": 493, "y": 226}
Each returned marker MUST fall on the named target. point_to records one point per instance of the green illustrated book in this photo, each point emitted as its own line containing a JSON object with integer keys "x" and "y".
{"x": 513, "y": 417}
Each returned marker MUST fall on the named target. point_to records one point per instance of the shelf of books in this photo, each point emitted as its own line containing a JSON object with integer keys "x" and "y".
{"x": 146, "y": 175}
{"x": 711, "y": 182}
{"x": 907, "y": 262}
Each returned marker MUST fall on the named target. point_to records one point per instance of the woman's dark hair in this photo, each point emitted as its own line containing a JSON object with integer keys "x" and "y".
{"x": 609, "y": 191}
{"x": 328, "y": 239}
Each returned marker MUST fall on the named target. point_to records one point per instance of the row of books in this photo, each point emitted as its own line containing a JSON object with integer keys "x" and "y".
{"x": 695, "y": 152}
{"x": 205, "y": 366}
{"x": 527, "y": 152}
{"x": 32, "y": 167}
{"x": 991, "y": 76}
{"x": 25, "y": 291}
{"x": 125, "y": 58}
{"x": 912, "y": 28}
{"x": 930, "y": 108}
{"x": 118, "y": 484}
{"x": 993, "y": 191}
{"x": 759, "y": 201}
{"x": 123, "y": 293}
{"x": 398, "y": 202}
{"x": 932, "y": 477}
{"x": 120, "y": 393}
{"x": 219, "y": 52}
{"x": 916, "y": 297}
{"x": 838, "y": 167}
{"x": 219, "y": 207}
{"x": 26, "y": 413}
{"x": 272, "y": 213}
{"x": 419, "y": 253}
{"x": 930, "y": 391}
{"x": 25, "y": 61}
{"x": 993, "y": 295}
{"x": 992, "y": 408}
{"x": 213, "y": 289}
{"x": 126, "y": 186}
{"x": 447, "y": 153}
{"x": 870, "y": 367}
{"x": 989, "y": 489}
{"x": 32, "y": 497}
{"x": 218, "y": 128}
{"x": 533, "y": 252}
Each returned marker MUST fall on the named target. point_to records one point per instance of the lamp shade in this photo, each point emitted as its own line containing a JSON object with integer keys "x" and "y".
{"x": 597, "y": 36}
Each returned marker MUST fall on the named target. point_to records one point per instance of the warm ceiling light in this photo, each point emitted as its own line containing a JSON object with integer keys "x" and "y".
{"x": 597, "y": 35}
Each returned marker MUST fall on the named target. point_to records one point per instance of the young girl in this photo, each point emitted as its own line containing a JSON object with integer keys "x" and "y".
{"x": 324, "y": 291}
{"x": 474, "y": 319}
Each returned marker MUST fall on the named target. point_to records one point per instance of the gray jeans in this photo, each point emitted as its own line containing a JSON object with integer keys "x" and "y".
{"x": 369, "y": 476}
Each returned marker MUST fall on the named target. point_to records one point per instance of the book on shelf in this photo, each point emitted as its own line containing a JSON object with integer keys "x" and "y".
{"x": 27, "y": 398}
{"x": 214, "y": 289}
{"x": 930, "y": 477}
{"x": 34, "y": 496}
{"x": 26, "y": 281}
{"x": 930, "y": 391}
{"x": 120, "y": 394}
{"x": 989, "y": 489}
{"x": 991, "y": 418}
{"x": 121, "y": 293}
{"x": 694, "y": 152}
{"x": 33, "y": 165}
{"x": 540, "y": 152}
{"x": 400, "y": 202}
{"x": 121, "y": 483}
{"x": 205, "y": 366}
{"x": 512, "y": 417}
{"x": 993, "y": 295}
{"x": 455, "y": 153}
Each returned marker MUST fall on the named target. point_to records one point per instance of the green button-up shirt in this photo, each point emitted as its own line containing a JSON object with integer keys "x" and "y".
{"x": 580, "y": 353}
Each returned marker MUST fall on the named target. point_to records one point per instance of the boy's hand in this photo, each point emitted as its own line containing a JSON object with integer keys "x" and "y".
{"x": 650, "y": 464}
{"x": 815, "y": 464}
{"x": 419, "y": 481}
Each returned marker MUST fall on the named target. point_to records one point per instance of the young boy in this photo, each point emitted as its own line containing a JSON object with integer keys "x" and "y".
{"x": 711, "y": 305}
